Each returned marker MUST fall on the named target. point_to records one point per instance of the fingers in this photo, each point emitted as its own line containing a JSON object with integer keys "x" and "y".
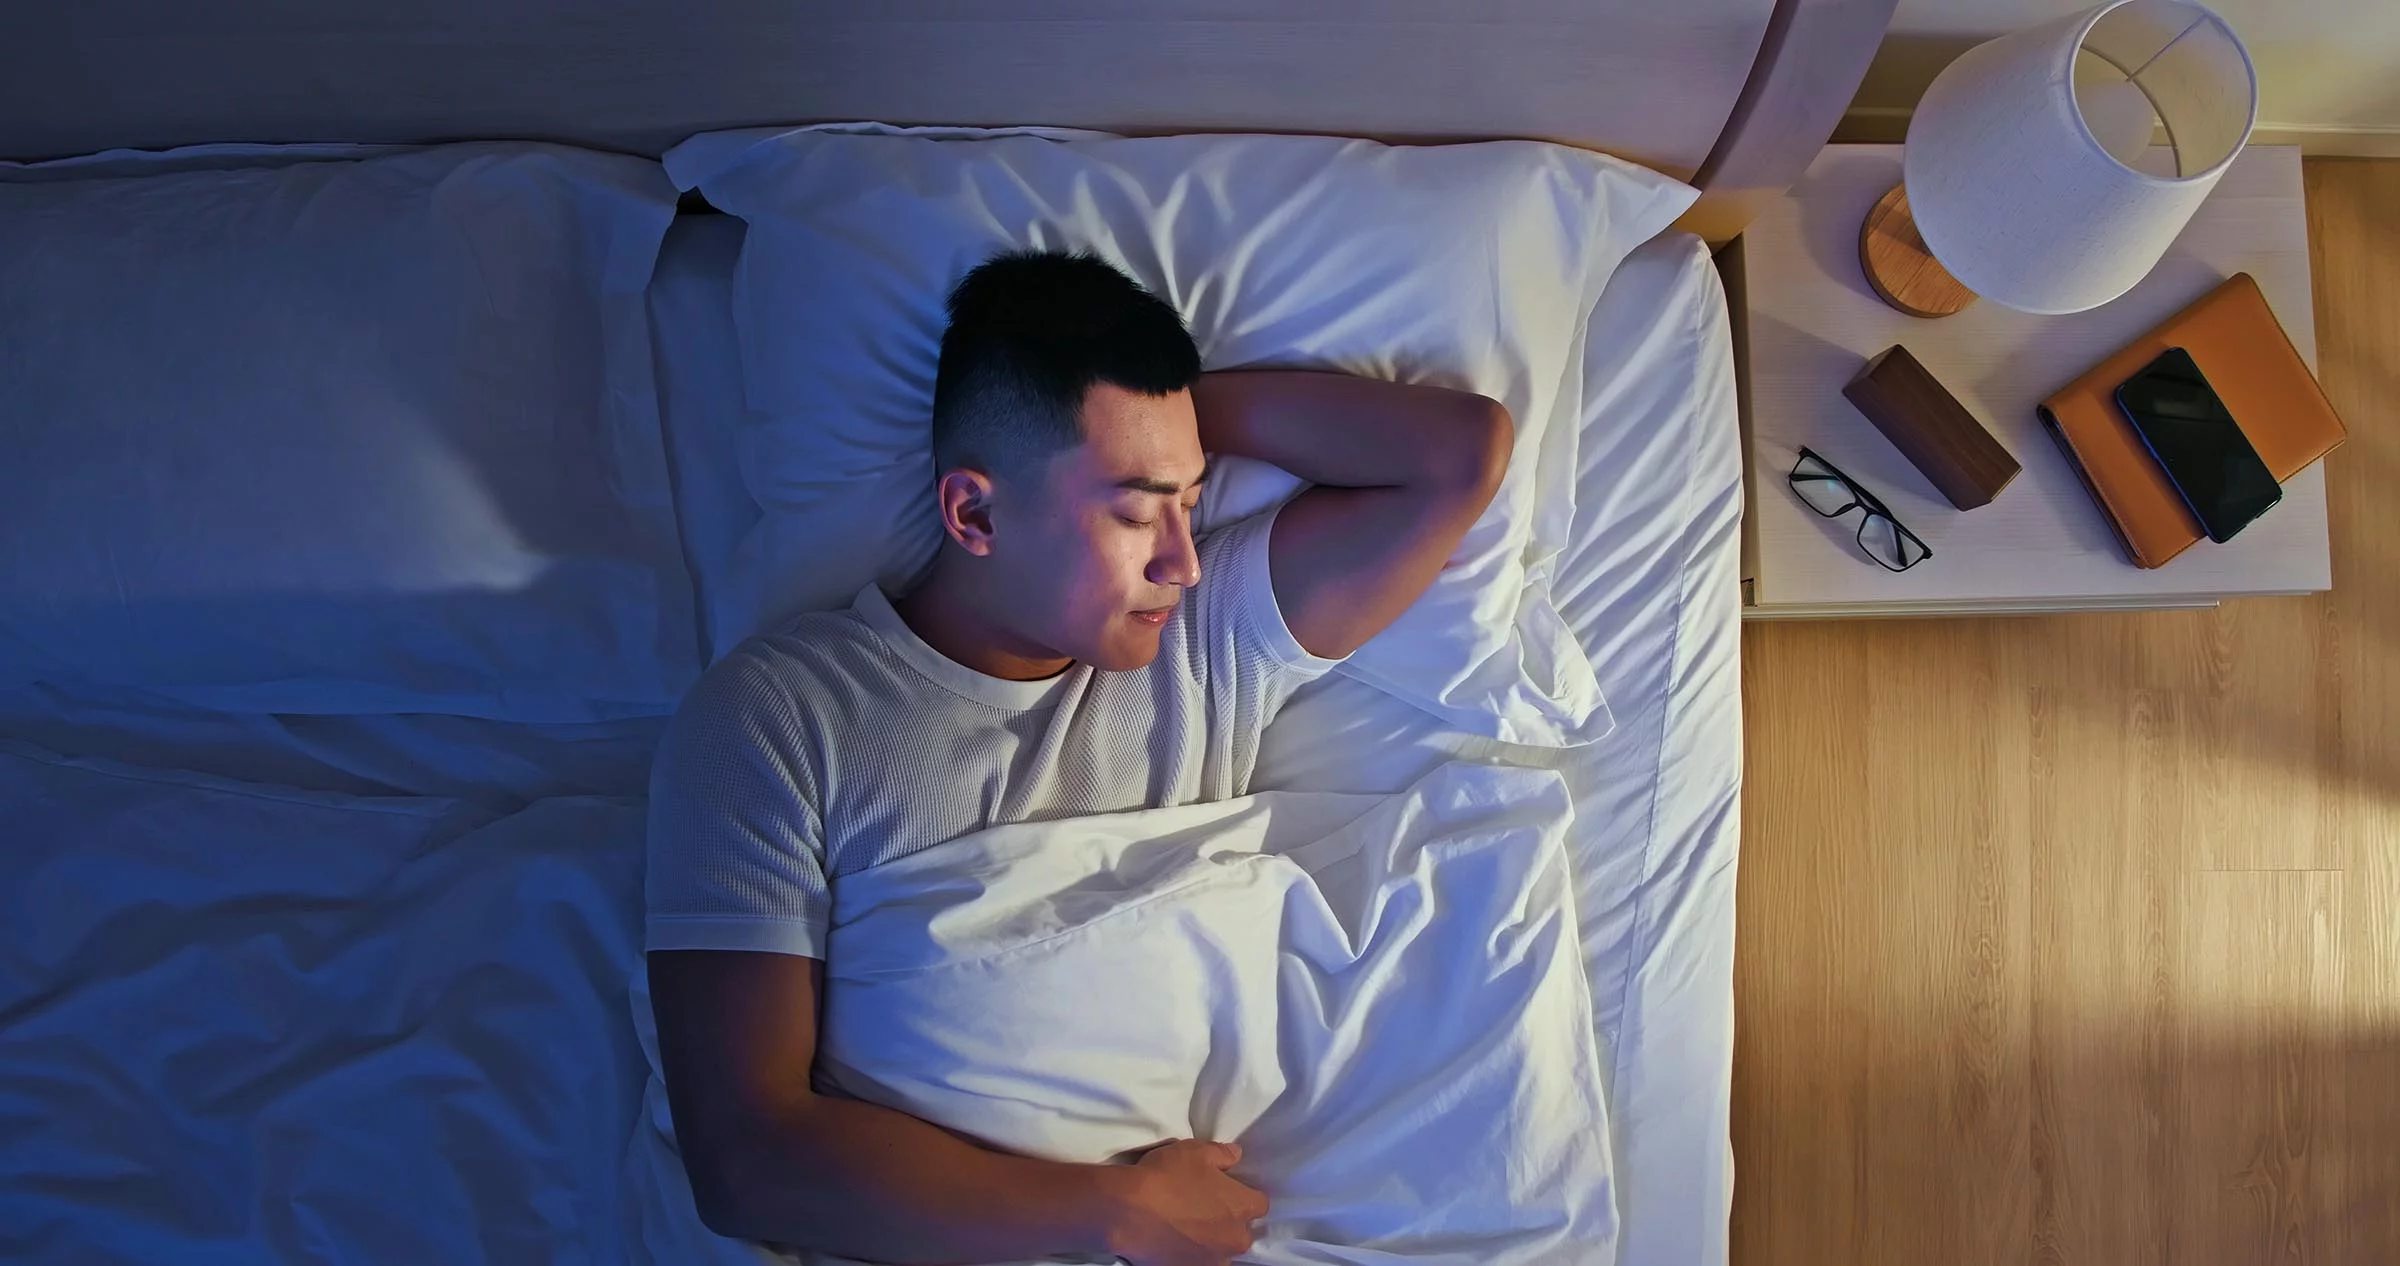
{"x": 1251, "y": 1204}
{"x": 1234, "y": 1241}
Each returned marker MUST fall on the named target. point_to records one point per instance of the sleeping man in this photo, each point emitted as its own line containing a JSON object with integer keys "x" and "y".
{"x": 1072, "y": 651}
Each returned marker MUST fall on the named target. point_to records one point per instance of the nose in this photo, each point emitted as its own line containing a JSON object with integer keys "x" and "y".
{"x": 1178, "y": 560}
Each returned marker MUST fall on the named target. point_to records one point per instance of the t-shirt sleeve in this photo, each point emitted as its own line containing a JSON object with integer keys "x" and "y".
{"x": 736, "y": 850}
{"x": 1246, "y": 643}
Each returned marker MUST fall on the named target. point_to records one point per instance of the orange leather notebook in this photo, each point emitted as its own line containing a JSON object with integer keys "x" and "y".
{"x": 2255, "y": 370}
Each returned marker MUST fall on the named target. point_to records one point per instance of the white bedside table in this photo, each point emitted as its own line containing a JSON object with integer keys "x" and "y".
{"x": 2042, "y": 545}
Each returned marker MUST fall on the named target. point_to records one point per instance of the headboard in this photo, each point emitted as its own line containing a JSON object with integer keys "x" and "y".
{"x": 1735, "y": 93}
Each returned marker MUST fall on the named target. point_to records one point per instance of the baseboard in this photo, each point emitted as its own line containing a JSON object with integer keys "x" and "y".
{"x": 1888, "y": 125}
{"x": 2331, "y": 142}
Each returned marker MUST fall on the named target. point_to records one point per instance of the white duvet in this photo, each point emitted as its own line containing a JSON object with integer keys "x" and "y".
{"x": 1380, "y": 997}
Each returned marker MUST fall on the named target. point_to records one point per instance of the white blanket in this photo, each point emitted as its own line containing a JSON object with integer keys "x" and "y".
{"x": 1381, "y": 998}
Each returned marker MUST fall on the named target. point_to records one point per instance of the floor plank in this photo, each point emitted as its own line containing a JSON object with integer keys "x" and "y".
{"x": 2082, "y": 945}
{"x": 2256, "y": 1075}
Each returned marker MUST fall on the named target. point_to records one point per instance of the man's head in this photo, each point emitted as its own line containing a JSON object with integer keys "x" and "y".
{"x": 1066, "y": 454}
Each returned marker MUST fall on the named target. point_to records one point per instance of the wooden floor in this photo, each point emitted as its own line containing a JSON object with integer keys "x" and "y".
{"x": 2083, "y": 946}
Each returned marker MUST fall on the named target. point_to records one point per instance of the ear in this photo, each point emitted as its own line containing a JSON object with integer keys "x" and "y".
{"x": 965, "y": 497}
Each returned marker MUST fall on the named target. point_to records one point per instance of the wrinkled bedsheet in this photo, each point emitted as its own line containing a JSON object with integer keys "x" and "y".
{"x": 246, "y": 1024}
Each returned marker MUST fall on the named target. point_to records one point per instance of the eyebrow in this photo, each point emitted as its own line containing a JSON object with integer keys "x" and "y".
{"x": 1166, "y": 487}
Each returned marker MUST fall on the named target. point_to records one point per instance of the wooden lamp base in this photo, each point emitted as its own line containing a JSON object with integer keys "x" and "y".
{"x": 1899, "y": 267}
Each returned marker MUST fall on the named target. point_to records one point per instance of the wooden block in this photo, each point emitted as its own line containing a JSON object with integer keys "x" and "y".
{"x": 1928, "y": 425}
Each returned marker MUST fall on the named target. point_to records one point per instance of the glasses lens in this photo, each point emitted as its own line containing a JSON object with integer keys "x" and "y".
{"x": 1823, "y": 490}
{"x": 1884, "y": 542}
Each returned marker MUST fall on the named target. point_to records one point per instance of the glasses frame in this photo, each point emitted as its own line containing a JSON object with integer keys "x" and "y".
{"x": 1860, "y": 499}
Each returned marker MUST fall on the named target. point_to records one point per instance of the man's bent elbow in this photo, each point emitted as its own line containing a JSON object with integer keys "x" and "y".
{"x": 726, "y": 1176}
{"x": 718, "y": 1214}
{"x": 1487, "y": 437}
{"x": 716, "y": 1193}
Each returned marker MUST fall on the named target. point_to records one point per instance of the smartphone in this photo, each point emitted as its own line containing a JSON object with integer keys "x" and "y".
{"x": 2204, "y": 452}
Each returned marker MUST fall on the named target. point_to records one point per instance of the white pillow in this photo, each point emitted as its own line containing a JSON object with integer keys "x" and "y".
{"x": 340, "y": 435}
{"x": 1470, "y": 266}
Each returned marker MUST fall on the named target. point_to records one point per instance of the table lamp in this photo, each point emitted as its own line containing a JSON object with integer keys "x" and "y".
{"x": 2024, "y": 181}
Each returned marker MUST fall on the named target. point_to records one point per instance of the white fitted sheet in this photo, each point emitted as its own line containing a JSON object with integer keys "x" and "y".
{"x": 1648, "y": 583}
{"x": 1651, "y": 585}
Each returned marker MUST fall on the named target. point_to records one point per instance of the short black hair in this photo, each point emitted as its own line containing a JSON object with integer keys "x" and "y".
{"x": 1030, "y": 332}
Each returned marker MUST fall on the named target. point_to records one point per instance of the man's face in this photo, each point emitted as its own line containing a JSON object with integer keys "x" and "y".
{"x": 1098, "y": 542}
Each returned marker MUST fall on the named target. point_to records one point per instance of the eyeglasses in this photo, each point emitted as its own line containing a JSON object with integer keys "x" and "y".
{"x": 1825, "y": 489}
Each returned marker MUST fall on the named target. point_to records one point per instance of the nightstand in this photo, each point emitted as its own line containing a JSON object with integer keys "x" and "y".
{"x": 2041, "y": 545}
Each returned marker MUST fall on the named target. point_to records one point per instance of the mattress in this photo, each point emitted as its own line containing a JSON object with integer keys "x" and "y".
{"x": 1649, "y": 583}
{"x": 457, "y": 997}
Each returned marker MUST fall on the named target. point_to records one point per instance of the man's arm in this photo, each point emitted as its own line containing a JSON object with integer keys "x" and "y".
{"x": 1401, "y": 472}
{"x": 770, "y": 1159}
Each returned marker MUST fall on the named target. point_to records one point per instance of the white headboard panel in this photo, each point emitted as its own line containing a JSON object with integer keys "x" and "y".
{"x": 1652, "y": 80}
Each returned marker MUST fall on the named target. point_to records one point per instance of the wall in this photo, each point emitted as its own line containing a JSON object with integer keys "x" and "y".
{"x": 2328, "y": 70}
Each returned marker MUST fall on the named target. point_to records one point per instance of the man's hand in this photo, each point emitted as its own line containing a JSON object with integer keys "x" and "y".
{"x": 771, "y": 1159}
{"x": 1180, "y": 1207}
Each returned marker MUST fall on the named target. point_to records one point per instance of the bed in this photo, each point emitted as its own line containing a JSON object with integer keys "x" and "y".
{"x": 338, "y": 1038}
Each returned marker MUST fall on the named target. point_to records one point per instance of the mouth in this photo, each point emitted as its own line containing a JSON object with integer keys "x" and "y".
{"x": 1156, "y": 618}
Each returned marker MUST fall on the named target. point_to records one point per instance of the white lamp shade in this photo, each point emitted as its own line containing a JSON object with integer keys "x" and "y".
{"x": 2022, "y": 202}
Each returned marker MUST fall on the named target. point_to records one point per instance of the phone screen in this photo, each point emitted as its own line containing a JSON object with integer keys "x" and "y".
{"x": 2204, "y": 452}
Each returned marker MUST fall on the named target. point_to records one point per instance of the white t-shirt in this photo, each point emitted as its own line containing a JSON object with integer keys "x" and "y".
{"x": 842, "y": 741}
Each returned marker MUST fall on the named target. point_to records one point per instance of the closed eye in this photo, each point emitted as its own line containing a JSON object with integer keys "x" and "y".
{"x": 1189, "y": 508}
